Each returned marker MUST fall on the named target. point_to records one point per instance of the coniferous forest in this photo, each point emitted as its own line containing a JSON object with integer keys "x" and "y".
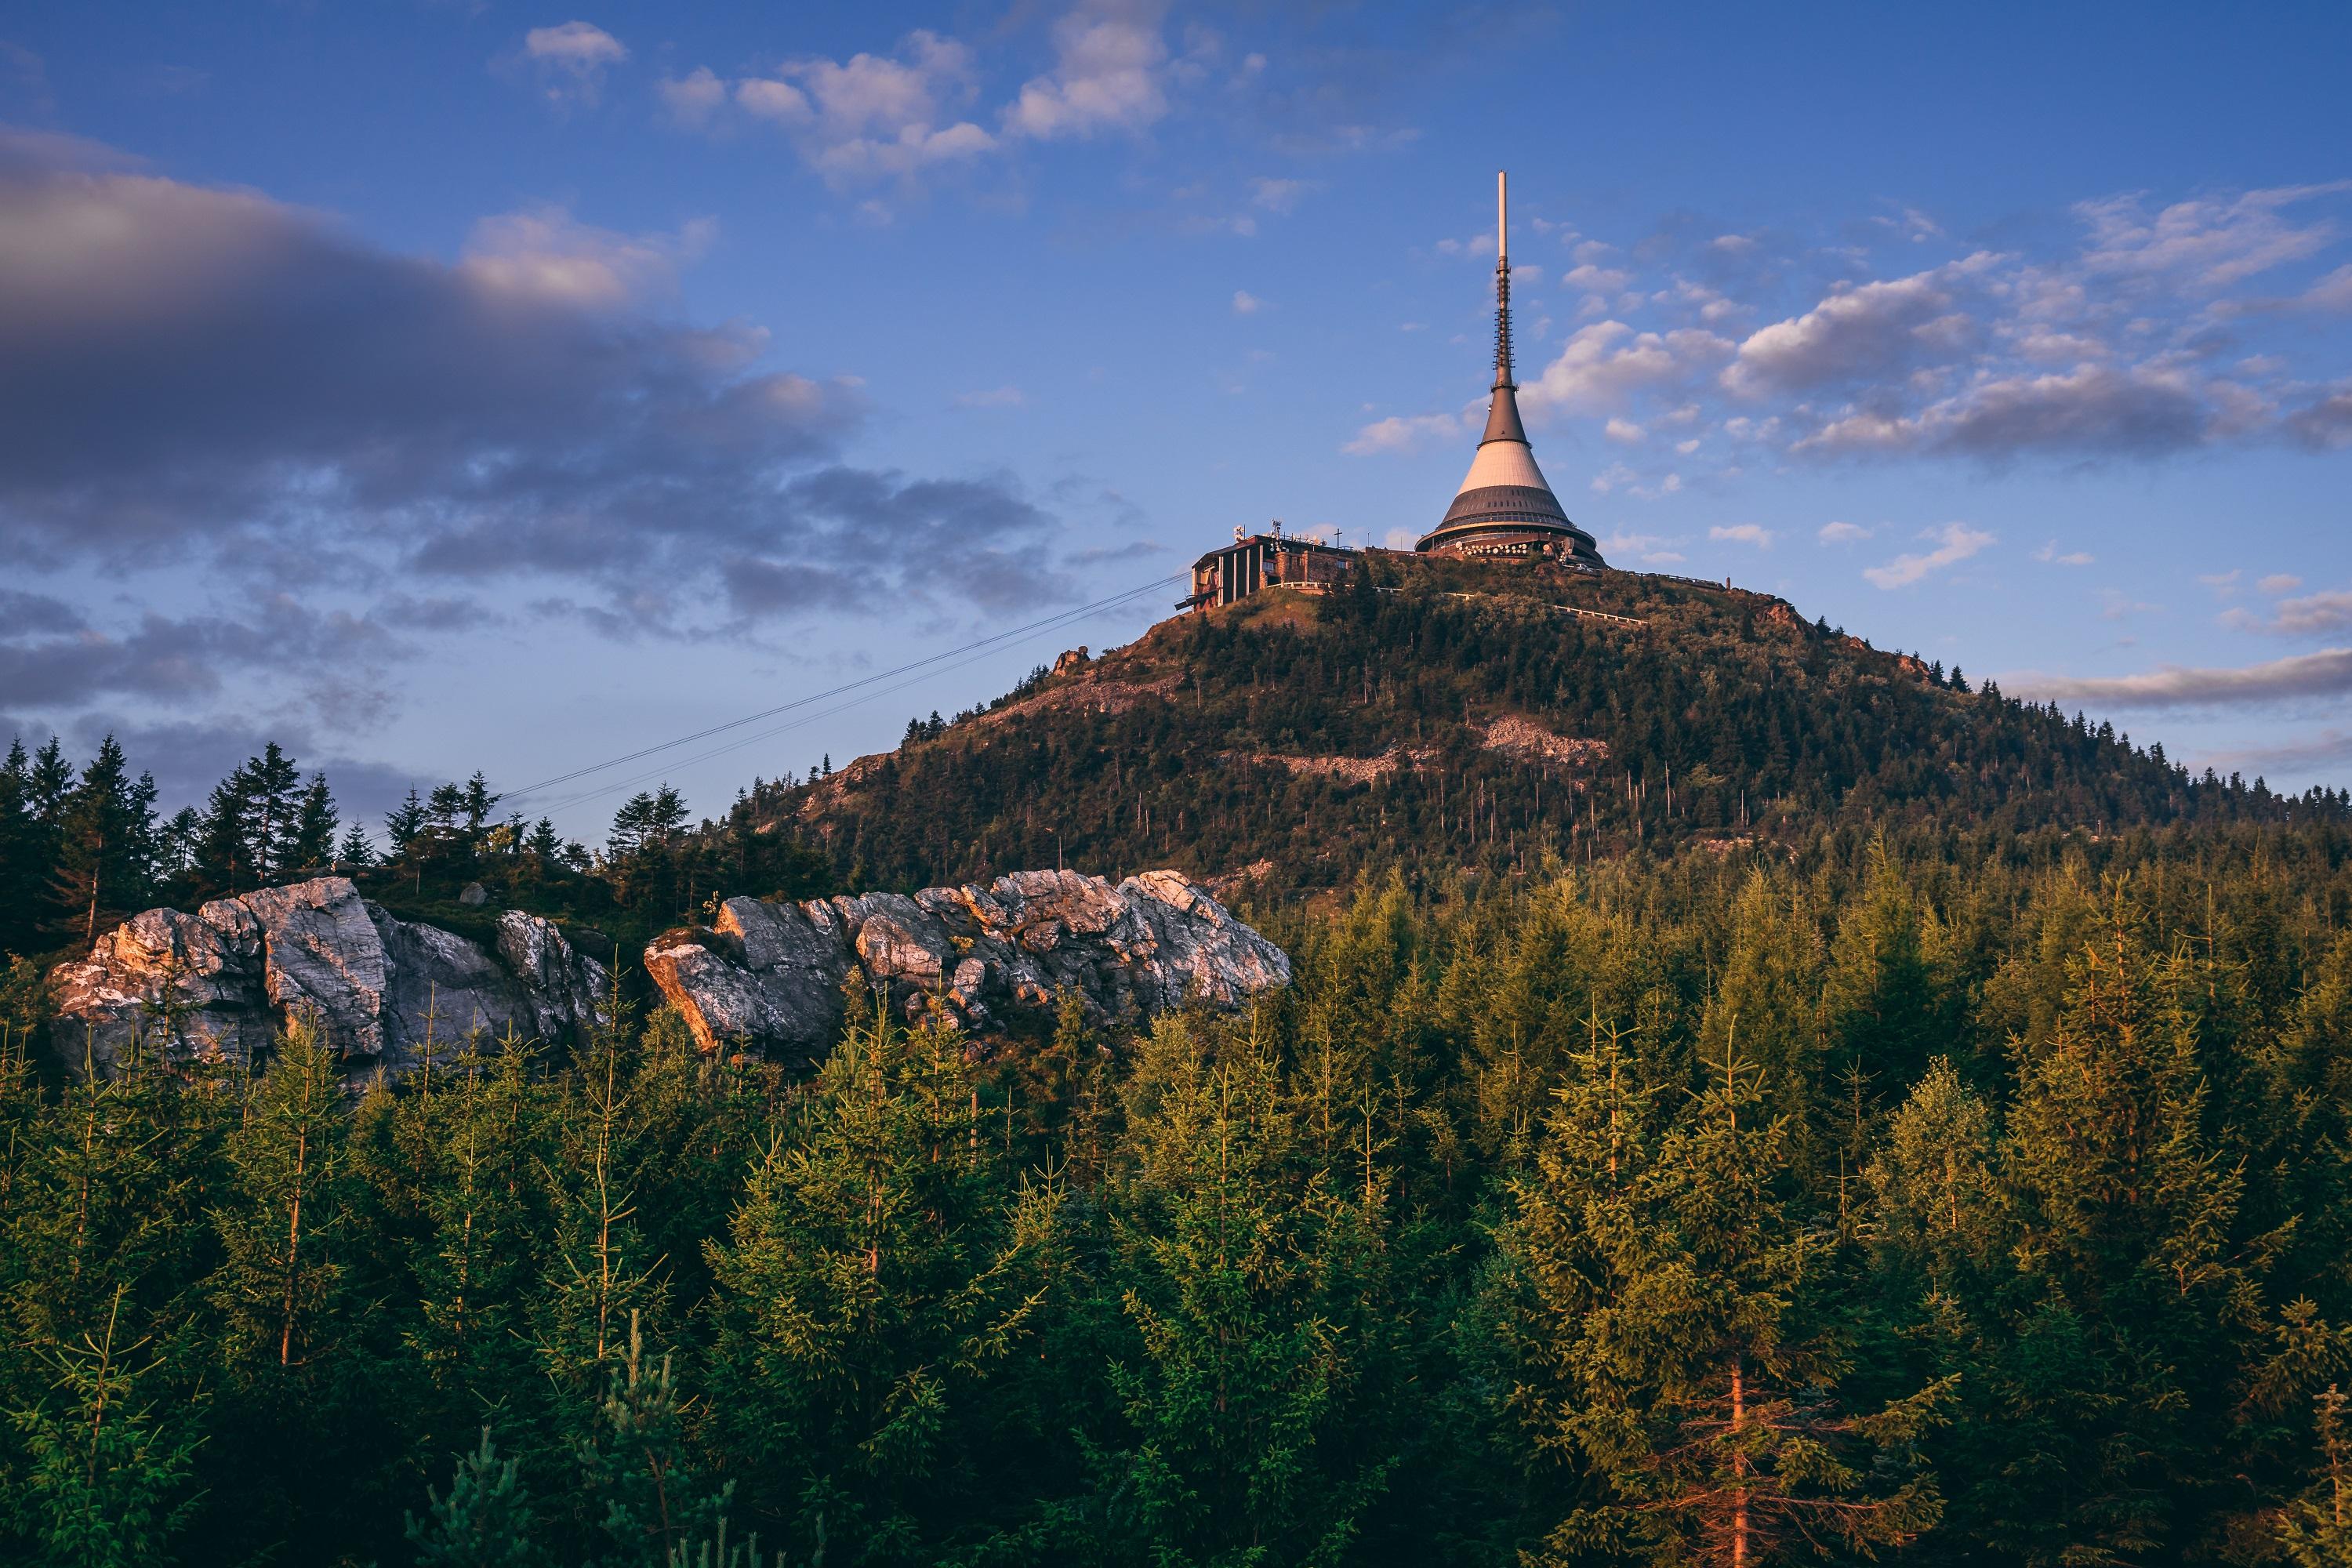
{"x": 1936, "y": 1185}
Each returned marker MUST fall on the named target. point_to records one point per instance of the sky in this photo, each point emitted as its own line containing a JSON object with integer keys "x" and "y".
{"x": 435, "y": 387}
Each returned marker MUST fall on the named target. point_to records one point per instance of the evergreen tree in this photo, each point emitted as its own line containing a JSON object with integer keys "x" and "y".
{"x": 1683, "y": 1354}
{"x": 312, "y": 844}
{"x": 1257, "y": 1288}
{"x": 281, "y": 1267}
{"x": 270, "y": 813}
{"x": 486, "y": 1521}
{"x": 105, "y": 847}
{"x": 24, "y": 854}
{"x": 872, "y": 1286}
{"x": 403, "y": 823}
{"x": 2317, "y": 1531}
{"x": 355, "y": 852}
{"x": 107, "y": 1480}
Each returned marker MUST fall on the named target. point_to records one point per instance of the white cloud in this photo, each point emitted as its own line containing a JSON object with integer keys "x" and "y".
{"x": 2147, "y": 410}
{"x": 869, "y": 117}
{"x": 572, "y": 60}
{"x": 2279, "y": 583}
{"x": 2332, "y": 292}
{"x": 1405, "y": 433}
{"x": 1686, "y": 448}
{"x": 1246, "y": 304}
{"x": 2327, "y": 673}
{"x": 1277, "y": 195}
{"x": 2049, "y": 552}
{"x": 1872, "y": 331}
{"x": 1958, "y": 542}
{"x": 1624, "y": 430}
{"x": 1601, "y": 365}
{"x": 1594, "y": 279}
{"x": 1109, "y": 61}
{"x": 1649, "y": 549}
{"x": 2326, "y": 425}
{"x": 1842, "y": 533}
{"x": 693, "y": 99}
{"x": 1744, "y": 533}
{"x": 548, "y": 253}
{"x": 2326, "y": 613}
{"x": 2212, "y": 242}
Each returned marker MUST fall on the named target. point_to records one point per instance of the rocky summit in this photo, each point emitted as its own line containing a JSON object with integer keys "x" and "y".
{"x": 216, "y": 985}
{"x": 770, "y": 977}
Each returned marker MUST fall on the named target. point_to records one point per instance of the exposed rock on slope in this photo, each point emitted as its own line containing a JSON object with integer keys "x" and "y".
{"x": 216, "y": 984}
{"x": 770, "y": 977}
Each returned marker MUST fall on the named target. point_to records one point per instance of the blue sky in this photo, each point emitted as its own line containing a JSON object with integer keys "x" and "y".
{"x": 436, "y": 387}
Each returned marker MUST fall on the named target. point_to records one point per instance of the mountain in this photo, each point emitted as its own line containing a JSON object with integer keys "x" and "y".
{"x": 1438, "y": 713}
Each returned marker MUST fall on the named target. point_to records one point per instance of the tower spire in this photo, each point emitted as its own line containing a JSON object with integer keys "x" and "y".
{"x": 1502, "y": 281}
{"x": 1505, "y": 507}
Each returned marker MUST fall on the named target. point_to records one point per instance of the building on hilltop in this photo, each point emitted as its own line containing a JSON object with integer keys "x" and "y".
{"x": 1505, "y": 507}
{"x": 1272, "y": 560}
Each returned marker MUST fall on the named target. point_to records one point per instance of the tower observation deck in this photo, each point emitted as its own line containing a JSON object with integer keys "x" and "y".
{"x": 1505, "y": 506}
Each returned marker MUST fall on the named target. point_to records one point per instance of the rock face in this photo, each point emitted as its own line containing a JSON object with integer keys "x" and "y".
{"x": 216, "y": 983}
{"x": 770, "y": 978}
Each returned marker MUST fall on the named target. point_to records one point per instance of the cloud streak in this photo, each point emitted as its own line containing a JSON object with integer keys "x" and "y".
{"x": 2327, "y": 673}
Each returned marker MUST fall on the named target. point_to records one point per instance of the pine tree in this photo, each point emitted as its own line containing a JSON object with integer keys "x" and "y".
{"x": 282, "y": 1269}
{"x": 225, "y": 860}
{"x": 355, "y": 852}
{"x": 1682, "y": 1357}
{"x": 872, "y": 1286}
{"x": 403, "y": 823}
{"x": 647, "y": 1497}
{"x": 2317, "y": 1530}
{"x": 485, "y": 1522}
{"x": 312, "y": 844}
{"x": 24, "y": 854}
{"x": 1254, "y": 1282}
{"x": 271, "y": 813}
{"x": 108, "y": 1481}
{"x": 105, "y": 847}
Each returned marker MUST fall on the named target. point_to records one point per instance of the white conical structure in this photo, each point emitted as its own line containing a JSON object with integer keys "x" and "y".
{"x": 1505, "y": 506}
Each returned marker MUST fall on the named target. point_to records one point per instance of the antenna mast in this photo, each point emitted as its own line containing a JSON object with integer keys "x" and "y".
{"x": 1502, "y": 281}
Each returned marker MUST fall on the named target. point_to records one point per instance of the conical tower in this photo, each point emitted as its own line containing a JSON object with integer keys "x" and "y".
{"x": 1505, "y": 507}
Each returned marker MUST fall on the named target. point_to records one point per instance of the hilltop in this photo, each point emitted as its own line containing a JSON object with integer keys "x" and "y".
{"x": 1442, "y": 714}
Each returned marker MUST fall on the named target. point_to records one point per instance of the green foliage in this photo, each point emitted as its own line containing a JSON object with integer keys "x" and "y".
{"x": 1897, "y": 1195}
{"x": 485, "y": 1522}
{"x": 106, "y": 1482}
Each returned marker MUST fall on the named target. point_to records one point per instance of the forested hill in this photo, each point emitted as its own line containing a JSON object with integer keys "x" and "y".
{"x": 1463, "y": 714}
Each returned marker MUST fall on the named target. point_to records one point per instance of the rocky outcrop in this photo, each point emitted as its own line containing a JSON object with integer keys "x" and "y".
{"x": 216, "y": 985}
{"x": 773, "y": 978}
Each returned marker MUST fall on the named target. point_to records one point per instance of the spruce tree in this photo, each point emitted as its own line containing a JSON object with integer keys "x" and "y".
{"x": 312, "y": 844}
{"x": 1682, "y": 1350}
{"x": 105, "y": 848}
{"x": 281, "y": 1272}
{"x": 107, "y": 1480}
{"x": 485, "y": 1522}
{"x": 872, "y": 1283}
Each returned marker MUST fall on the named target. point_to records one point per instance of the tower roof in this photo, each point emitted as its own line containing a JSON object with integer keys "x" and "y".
{"x": 1505, "y": 506}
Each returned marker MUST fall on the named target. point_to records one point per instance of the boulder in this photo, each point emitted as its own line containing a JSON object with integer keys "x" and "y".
{"x": 770, "y": 977}
{"x": 216, "y": 984}
{"x": 765, "y": 972}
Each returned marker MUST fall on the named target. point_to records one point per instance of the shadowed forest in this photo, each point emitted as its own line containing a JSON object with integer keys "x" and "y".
{"x": 1931, "y": 1197}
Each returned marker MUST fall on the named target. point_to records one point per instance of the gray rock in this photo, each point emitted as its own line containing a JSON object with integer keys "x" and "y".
{"x": 217, "y": 984}
{"x": 184, "y": 983}
{"x": 564, "y": 988}
{"x": 766, "y": 977}
{"x": 473, "y": 896}
{"x": 770, "y": 977}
